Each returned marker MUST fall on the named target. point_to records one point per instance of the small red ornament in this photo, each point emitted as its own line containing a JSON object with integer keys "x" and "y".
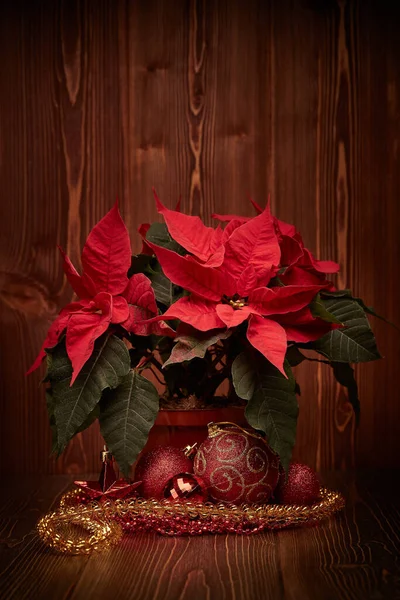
{"x": 302, "y": 486}
{"x": 236, "y": 465}
{"x": 108, "y": 487}
{"x": 107, "y": 475}
{"x": 154, "y": 469}
{"x": 118, "y": 490}
{"x": 185, "y": 486}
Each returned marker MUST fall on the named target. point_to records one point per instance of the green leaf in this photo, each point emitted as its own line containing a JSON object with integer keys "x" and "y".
{"x": 176, "y": 378}
{"x": 164, "y": 348}
{"x": 318, "y": 309}
{"x": 244, "y": 375}
{"x": 90, "y": 419}
{"x": 52, "y": 421}
{"x": 140, "y": 263}
{"x": 194, "y": 345}
{"x": 371, "y": 311}
{"x": 73, "y": 405}
{"x": 158, "y": 234}
{"x": 344, "y": 374}
{"x": 337, "y": 294}
{"x": 348, "y": 294}
{"x": 273, "y": 409}
{"x": 127, "y": 413}
{"x": 275, "y": 281}
{"x": 368, "y": 309}
{"x": 294, "y": 356}
{"x": 353, "y": 343}
{"x": 165, "y": 291}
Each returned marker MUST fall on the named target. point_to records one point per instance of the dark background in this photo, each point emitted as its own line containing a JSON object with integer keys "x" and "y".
{"x": 212, "y": 100}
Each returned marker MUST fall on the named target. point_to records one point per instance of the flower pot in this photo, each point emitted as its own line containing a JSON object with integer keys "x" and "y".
{"x": 180, "y": 428}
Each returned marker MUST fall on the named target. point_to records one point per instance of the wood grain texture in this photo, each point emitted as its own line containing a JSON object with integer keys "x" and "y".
{"x": 211, "y": 101}
{"x": 354, "y": 556}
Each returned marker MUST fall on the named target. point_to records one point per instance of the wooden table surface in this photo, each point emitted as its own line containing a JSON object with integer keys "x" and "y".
{"x": 355, "y": 555}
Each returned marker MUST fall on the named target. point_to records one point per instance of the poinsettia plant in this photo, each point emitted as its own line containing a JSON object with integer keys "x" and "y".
{"x": 241, "y": 303}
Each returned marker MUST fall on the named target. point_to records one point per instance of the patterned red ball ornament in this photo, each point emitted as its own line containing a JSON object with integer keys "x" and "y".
{"x": 155, "y": 468}
{"x": 237, "y": 465}
{"x": 302, "y": 486}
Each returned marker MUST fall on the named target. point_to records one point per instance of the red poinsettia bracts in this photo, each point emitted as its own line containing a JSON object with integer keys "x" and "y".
{"x": 144, "y": 227}
{"x": 203, "y": 243}
{"x": 294, "y": 253}
{"x": 234, "y": 289}
{"x": 106, "y": 295}
{"x": 301, "y": 267}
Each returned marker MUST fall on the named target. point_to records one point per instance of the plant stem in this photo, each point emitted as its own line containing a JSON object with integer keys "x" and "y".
{"x": 157, "y": 376}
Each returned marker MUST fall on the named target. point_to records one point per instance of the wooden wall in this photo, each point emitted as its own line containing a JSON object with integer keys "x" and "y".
{"x": 210, "y": 99}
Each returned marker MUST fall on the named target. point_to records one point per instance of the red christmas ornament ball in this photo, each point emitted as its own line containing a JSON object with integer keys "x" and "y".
{"x": 155, "y": 468}
{"x": 238, "y": 467}
{"x": 185, "y": 487}
{"x": 302, "y": 486}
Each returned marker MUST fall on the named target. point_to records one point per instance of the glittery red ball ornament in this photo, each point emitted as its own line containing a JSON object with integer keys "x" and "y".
{"x": 301, "y": 487}
{"x": 237, "y": 466}
{"x": 185, "y": 486}
{"x": 155, "y": 468}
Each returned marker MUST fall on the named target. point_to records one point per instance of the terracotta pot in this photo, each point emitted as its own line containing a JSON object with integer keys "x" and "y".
{"x": 180, "y": 428}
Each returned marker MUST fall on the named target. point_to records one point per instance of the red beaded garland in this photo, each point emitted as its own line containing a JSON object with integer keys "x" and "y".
{"x": 154, "y": 469}
{"x": 237, "y": 466}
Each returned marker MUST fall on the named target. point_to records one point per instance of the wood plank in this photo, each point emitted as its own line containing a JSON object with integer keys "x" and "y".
{"x": 27, "y": 568}
{"x": 374, "y": 243}
{"x": 209, "y": 100}
{"x": 23, "y": 502}
{"x": 295, "y": 98}
{"x": 353, "y": 556}
{"x": 336, "y": 193}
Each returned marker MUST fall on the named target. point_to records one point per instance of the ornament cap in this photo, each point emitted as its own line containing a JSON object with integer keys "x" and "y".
{"x": 190, "y": 450}
{"x": 213, "y": 429}
{"x": 105, "y": 455}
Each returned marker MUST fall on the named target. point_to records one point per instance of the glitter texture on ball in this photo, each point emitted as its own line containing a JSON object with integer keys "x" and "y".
{"x": 154, "y": 469}
{"x": 302, "y": 486}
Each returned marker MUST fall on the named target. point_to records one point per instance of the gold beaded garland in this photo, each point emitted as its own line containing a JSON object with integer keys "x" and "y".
{"x": 80, "y": 529}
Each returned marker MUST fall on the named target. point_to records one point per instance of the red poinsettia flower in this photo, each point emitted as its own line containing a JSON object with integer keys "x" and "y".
{"x": 144, "y": 227}
{"x": 106, "y": 295}
{"x": 234, "y": 289}
{"x": 301, "y": 267}
{"x": 295, "y": 254}
{"x": 203, "y": 243}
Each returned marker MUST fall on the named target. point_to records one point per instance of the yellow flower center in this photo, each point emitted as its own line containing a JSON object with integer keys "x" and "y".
{"x": 236, "y": 301}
